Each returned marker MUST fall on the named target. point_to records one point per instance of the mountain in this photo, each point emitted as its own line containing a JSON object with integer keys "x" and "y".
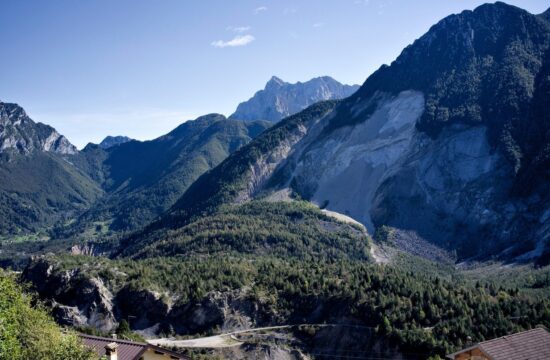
{"x": 143, "y": 179}
{"x": 280, "y": 99}
{"x": 117, "y": 185}
{"x": 448, "y": 145}
{"x": 18, "y": 133}
{"x": 38, "y": 184}
{"x": 111, "y": 141}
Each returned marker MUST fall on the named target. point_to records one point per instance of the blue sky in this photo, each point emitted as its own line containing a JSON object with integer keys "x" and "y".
{"x": 140, "y": 68}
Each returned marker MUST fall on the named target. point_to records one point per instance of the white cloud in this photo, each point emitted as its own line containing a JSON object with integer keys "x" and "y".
{"x": 238, "y": 29}
{"x": 239, "y": 40}
{"x": 318, "y": 25}
{"x": 361, "y": 2}
{"x": 260, "y": 9}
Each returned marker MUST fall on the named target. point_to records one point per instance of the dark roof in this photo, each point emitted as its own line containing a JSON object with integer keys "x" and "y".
{"x": 126, "y": 350}
{"x": 526, "y": 345}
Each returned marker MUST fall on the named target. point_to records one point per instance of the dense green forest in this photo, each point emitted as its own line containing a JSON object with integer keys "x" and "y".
{"x": 292, "y": 259}
{"x": 27, "y": 332}
{"x": 286, "y": 229}
{"x": 430, "y": 314}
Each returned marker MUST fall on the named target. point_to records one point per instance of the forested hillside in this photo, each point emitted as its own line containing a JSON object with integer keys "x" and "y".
{"x": 143, "y": 179}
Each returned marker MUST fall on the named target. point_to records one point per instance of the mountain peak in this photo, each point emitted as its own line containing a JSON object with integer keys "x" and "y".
{"x": 111, "y": 141}
{"x": 274, "y": 82}
{"x": 280, "y": 99}
{"x": 21, "y": 134}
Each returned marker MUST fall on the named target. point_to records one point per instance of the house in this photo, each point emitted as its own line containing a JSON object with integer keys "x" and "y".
{"x": 115, "y": 349}
{"x": 526, "y": 345}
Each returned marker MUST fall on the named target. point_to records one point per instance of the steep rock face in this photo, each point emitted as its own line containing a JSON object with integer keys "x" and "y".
{"x": 383, "y": 171}
{"x": 76, "y": 298}
{"x": 450, "y": 190}
{"x": 280, "y": 99}
{"x": 19, "y": 133}
{"x": 476, "y": 67}
{"x": 228, "y": 310}
{"x": 342, "y": 171}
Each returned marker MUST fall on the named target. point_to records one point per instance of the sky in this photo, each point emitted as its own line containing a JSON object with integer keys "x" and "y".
{"x": 93, "y": 68}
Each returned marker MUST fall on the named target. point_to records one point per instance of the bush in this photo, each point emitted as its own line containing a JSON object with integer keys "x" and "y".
{"x": 28, "y": 332}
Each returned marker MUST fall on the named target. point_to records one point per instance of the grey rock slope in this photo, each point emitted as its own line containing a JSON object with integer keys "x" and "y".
{"x": 111, "y": 141}
{"x": 280, "y": 99}
{"x": 21, "y": 134}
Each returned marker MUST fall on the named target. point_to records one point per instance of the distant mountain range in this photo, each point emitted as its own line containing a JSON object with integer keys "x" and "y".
{"x": 132, "y": 181}
{"x": 280, "y": 99}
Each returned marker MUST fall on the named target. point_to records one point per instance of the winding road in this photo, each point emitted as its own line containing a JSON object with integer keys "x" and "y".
{"x": 228, "y": 339}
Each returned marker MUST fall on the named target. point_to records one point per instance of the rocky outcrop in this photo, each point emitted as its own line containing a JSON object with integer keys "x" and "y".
{"x": 303, "y": 342}
{"x": 21, "y": 134}
{"x": 280, "y": 99}
{"x": 76, "y": 298}
{"x": 227, "y": 311}
{"x": 81, "y": 297}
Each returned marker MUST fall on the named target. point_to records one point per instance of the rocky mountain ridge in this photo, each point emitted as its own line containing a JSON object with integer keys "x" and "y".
{"x": 21, "y": 134}
{"x": 280, "y": 99}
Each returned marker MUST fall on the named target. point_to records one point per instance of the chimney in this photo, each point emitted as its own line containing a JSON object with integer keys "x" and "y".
{"x": 110, "y": 351}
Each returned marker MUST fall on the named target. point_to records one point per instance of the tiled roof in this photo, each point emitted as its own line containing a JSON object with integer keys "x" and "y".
{"x": 527, "y": 345}
{"x": 126, "y": 350}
